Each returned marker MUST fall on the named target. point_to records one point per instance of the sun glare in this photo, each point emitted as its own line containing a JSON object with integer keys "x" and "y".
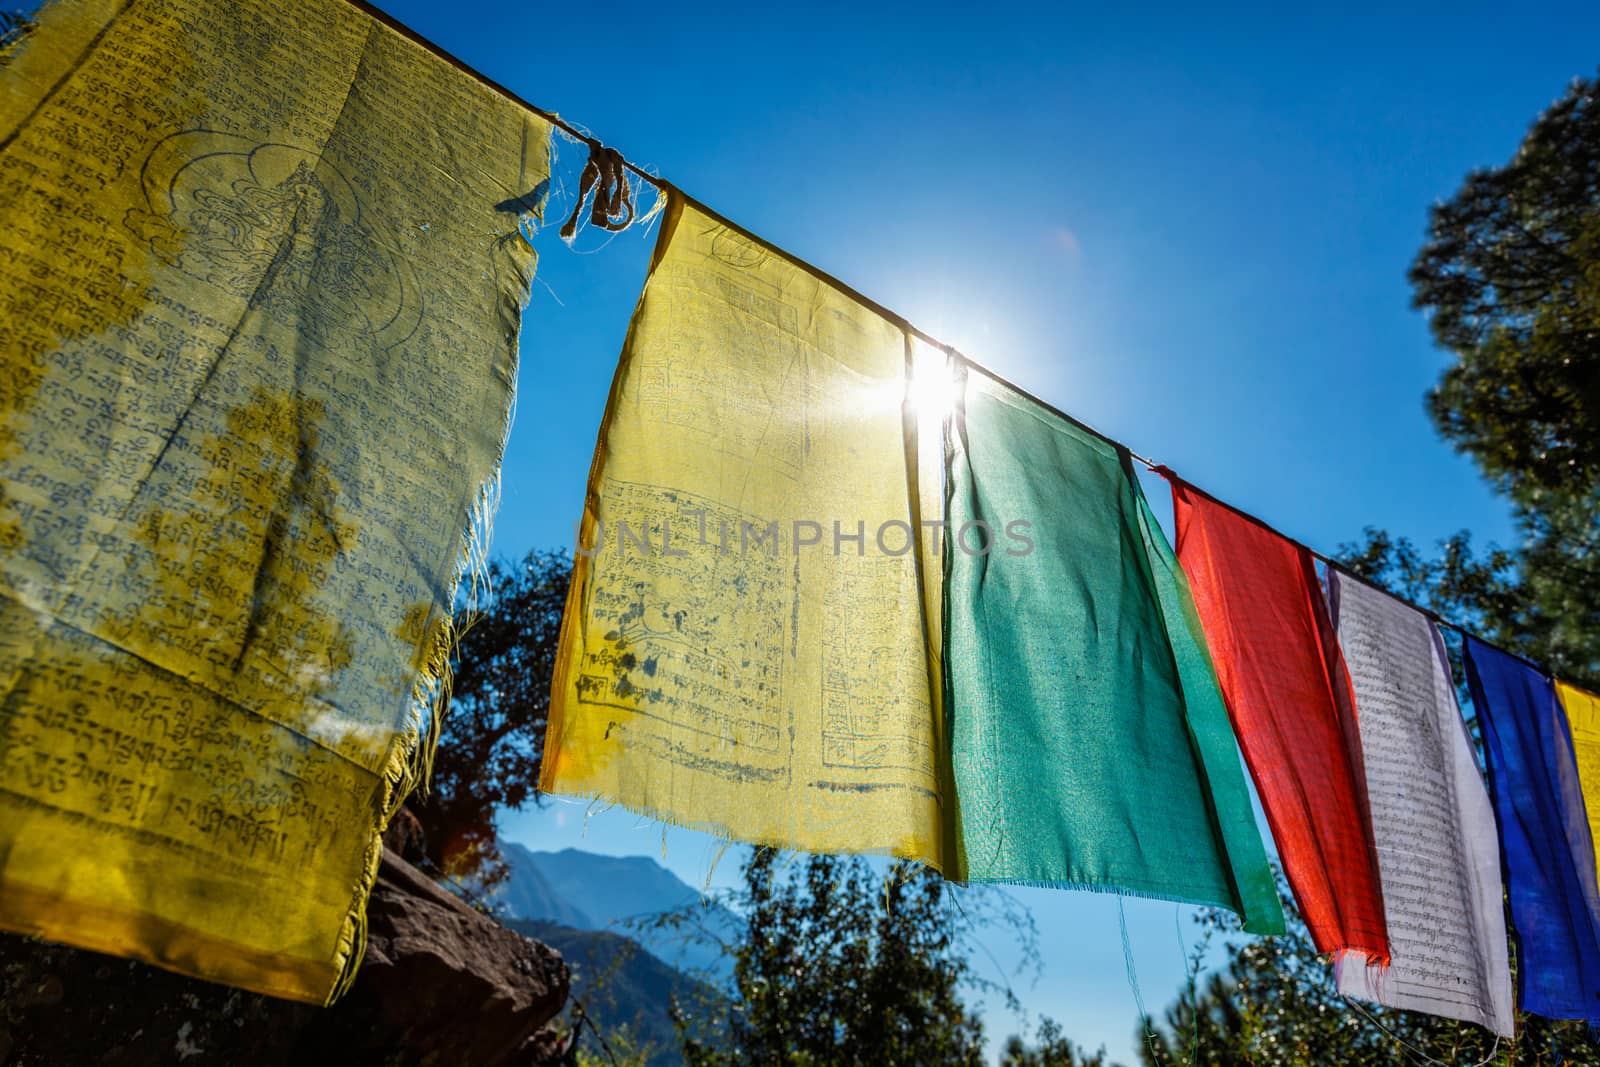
{"x": 932, "y": 389}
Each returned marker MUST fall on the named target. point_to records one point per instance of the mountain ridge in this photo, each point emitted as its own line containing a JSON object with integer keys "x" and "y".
{"x": 590, "y": 891}
{"x": 624, "y": 989}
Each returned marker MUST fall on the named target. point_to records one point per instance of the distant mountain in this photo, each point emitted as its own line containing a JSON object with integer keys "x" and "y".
{"x": 528, "y": 894}
{"x": 586, "y": 891}
{"x": 612, "y": 888}
{"x": 622, "y": 985}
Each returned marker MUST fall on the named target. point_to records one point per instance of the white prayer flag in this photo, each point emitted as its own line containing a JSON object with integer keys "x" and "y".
{"x": 1438, "y": 856}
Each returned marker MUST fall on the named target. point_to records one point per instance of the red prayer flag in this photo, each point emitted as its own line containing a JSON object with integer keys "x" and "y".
{"x": 1288, "y": 693}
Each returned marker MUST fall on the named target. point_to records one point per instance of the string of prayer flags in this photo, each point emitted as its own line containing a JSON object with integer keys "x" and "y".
{"x": 1582, "y": 710}
{"x": 248, "y": 443}
{"x": 259, "y": 295}
{"x": 736, "y": 654}
{"x": 1438, "y": 856}
{"x": 1288, "y": 694}
{"x": 1545, "y": 840}
{"x": 1089, "y": 742}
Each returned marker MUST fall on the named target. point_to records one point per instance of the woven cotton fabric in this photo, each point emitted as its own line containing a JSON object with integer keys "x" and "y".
{"x": 1438, "y": 855}
{"x": 1288, "y": 694}
{"x": 746, "y": 646}
{"x": 1582, "y": 710}
{"x": 1545, "y": 839}
{"x": 259, "y": 294}
{"x": 1089, "y": 741}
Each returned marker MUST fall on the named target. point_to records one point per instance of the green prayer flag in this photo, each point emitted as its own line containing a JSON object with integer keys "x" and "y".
{"x": 1089, "y": 741}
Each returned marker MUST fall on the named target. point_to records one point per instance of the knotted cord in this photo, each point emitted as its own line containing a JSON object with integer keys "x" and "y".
{"x": 605, "y": 176}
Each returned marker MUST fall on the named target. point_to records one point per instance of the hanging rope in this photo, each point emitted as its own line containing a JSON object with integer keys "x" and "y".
{"x": 605, "y": 176}
{"x": 1191, "y": 971}
{"x": 1145, "y": 1021}
{"x": 1417, "y": 1052}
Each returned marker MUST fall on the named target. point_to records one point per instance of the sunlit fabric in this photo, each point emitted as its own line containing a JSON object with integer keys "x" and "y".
{"x": 1582, "y": 709}
{"x": 746, "y": 643}
{"x": 1548, "y": 852}
{"x": 1089, "y": 740}
{"x": 260, "y": 280}
{"x": 1438, "y": 855}
{"x": 1288, "y": 694}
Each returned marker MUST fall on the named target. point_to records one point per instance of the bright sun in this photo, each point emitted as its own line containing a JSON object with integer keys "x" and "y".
{"x": 932, "y": 390}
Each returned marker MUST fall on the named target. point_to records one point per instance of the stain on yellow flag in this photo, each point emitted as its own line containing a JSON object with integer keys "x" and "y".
{"x": 260, "y": 279}
{"x": 1583, "y": 721}
{"x": 746, "y": 643}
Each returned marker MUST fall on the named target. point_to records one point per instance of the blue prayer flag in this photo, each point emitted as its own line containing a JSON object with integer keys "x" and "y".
{"x": 1544, "y": 835}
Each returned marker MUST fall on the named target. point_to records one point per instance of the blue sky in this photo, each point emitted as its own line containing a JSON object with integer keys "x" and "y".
{"x": 1190, "y": 230}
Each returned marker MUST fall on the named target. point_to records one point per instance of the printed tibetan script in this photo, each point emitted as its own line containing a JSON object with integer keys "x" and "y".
{"x": 260, "y": 282}
{"x": 746, "y": 647}
{"x": 1438, "y": 856}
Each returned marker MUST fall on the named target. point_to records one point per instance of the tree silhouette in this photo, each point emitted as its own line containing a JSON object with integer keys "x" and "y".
{"x": 835, "y": 964}
{"x": 492, "y": 737}
{"x": 1510, "y": 274}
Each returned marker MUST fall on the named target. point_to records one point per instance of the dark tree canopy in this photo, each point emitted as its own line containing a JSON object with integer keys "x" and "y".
{"x": 1052, "y": 1048}
{"x": 1511, "y": 276}
{"x": 1274, "y": 1004}
{"x": 492, "y": 737}
{"x": 834, "y": 964}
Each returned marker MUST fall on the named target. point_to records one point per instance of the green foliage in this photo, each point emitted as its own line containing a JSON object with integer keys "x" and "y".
{"x": 624, "y": 995}
{"x": 493, "y": 733}
{"x": 617, "y": 1048}
{"x": 1458, "y": 584}
{"x": 1274, "y": 1004}
{"x": 1542, "y": 601}
{"x": 1511, "y": 276}
{"x": 837, "y": 965}
{"x": 1053, "y": 1050}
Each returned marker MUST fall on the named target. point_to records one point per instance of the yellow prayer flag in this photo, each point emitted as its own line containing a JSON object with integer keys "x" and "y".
{"x": 1583, "y": 721}
{"x": 746, "y": 646}
{"x": 260, "y": 282}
